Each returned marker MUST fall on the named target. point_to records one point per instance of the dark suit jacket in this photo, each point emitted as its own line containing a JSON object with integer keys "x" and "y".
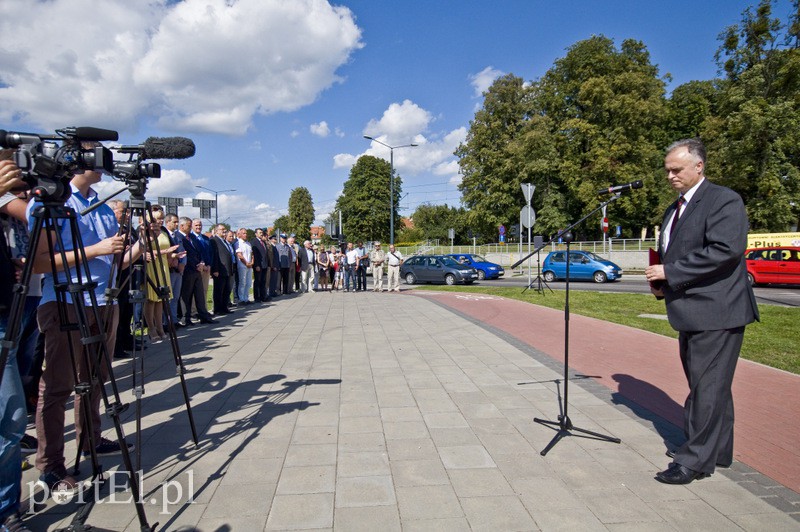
{"x": 193, "y": 257}
{"x": 302, "y": 256}
{"x": 224, "y": 263}
{"x": 707, "y": 286}
{"x": 259, "y": 253}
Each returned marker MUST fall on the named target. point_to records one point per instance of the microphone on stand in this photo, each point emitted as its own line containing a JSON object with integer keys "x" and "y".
{"x": 621, "y": 188}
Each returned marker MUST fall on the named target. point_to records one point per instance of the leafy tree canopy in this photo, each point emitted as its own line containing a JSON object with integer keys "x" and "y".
{"x": 301, "y": 213}
{"x": 365, "y": 201}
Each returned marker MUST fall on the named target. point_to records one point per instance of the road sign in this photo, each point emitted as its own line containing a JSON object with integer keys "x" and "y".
{"x": 527, "y": 191}
{"x": 170, "y": 202}
{"x": 605, "y": 225}
{"x": 527, "y": 217}
{"x": 502, "y": 229}
{"x": 204, "y": 203}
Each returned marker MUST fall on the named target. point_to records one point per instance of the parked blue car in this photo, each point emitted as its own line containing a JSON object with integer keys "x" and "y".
{"x": 582, "y": 265}
{"x": 486, "y": 269}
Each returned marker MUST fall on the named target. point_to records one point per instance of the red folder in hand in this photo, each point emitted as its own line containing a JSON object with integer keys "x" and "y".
{"x": 655, "y": 258}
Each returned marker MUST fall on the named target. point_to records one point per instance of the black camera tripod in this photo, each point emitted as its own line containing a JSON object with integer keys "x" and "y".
{"x": 73, "y": 286}
{"x": 137, "y": 205}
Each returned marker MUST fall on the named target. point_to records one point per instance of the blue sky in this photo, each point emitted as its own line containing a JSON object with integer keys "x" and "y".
{"x": 278, "y": 95}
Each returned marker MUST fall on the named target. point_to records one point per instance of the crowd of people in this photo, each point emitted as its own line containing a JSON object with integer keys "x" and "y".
{"x": 143, "y": 269}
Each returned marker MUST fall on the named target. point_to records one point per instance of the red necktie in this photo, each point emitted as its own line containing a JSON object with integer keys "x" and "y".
{"x": 677, "y": 215}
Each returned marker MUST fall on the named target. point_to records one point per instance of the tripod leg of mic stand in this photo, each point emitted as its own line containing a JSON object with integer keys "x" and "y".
{"x": 599, "y": 436}
{"x": 557, "y": 438}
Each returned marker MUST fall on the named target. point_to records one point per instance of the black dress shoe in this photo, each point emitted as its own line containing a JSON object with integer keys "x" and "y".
{"x": 187, "y": 323}
{"x": 121, "y": 355}
{"x": 678, "y": 474}
{"x": 208, "y": 320}
{"x": 671, "y": 454}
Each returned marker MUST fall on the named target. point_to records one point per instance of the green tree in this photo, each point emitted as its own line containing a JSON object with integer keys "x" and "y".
{"x": 490, "y": 184}
{"x": 689, "y": 106}
{"x": 301, "y": 213}
{"x": 606, "y": 109}
{"x": 282, "y": 224}
{"x": 365, "y": 200}
{"x": 435, "y": 222}
{"x": 593, "y": 120}
{"x": 754, "y": 141}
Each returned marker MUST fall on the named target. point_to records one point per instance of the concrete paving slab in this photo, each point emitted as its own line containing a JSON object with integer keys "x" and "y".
{"x": 418, "y": 419}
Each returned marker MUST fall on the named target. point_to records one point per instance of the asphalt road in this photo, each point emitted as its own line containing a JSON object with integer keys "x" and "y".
{"x": 784, "y": 295}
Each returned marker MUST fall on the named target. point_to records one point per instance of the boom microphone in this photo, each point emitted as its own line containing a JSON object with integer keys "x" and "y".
{"x": 91, "y": 133}
{"x": 621, "y": 188}
{"x": 161, "y": 148}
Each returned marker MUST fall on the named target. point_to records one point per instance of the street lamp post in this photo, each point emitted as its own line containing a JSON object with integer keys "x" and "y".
{"x": 216, "y": 201}
{"x": 391, "y": 181}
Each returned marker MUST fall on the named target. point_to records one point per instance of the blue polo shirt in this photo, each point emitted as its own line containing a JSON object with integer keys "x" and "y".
{"x": 93, "y": 227}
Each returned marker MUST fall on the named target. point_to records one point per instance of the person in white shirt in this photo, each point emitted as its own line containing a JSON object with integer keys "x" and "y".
{"x": 394, "y": 259}
{"x": 244, "y": 264}
{"x": 350, "y": 266}
{"x": 308, "y": 263}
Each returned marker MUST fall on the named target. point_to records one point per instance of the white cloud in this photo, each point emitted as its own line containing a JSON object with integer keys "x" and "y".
{"x": 339, "y": 133}
{"x": 320, "y": 130}
{"x": 323, "y": 210}
{"x": 344, "y": 160}
{"x": 400, "y": 123}
{"x": 407, "y": 123}
{"x": 484, "y": 79}
{"x": 238, "y": 210}
{"x": 447, "y": 168}
{"x": 190, "y": 66}
{"x": 294, "y": 134}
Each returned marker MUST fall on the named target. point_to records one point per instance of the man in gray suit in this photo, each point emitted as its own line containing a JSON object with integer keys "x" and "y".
{"x": 709, "y": 301}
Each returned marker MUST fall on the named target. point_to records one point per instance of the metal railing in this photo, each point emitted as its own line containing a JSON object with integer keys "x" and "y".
{"x": 598, "y": 246}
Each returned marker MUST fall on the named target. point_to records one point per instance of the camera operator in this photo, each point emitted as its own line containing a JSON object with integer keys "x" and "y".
{"x": 13, "y": 415}
{"x": 98, "y": 232}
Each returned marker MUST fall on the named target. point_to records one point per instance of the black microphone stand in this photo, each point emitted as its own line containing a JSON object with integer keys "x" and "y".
{"x": 538, "y": 282}
{"x": 564, "y": 423}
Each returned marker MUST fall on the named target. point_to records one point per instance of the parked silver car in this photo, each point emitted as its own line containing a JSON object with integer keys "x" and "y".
{"x": 437, "y": 269}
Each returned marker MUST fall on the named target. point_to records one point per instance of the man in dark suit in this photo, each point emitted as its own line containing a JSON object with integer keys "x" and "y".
{"x": 260, "y": 265}
{"x": 222, "y": 270}
{"x": 192, "y": 287}
{"x": 275, "y": 267}
{"x": 709, "y": 301}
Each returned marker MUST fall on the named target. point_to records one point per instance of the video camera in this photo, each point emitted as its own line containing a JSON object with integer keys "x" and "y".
{"x": 48, "y": 162}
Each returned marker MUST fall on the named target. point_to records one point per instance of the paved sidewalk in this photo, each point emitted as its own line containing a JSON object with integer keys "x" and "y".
{"x": 388, "y": 412}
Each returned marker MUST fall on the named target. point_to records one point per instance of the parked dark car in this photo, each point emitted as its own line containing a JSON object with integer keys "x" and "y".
{"x": 583, "y": 265}
{"x": 486, "y": 269}
{"x": 780, "y": 265}
{"x": 437, "y": 269}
